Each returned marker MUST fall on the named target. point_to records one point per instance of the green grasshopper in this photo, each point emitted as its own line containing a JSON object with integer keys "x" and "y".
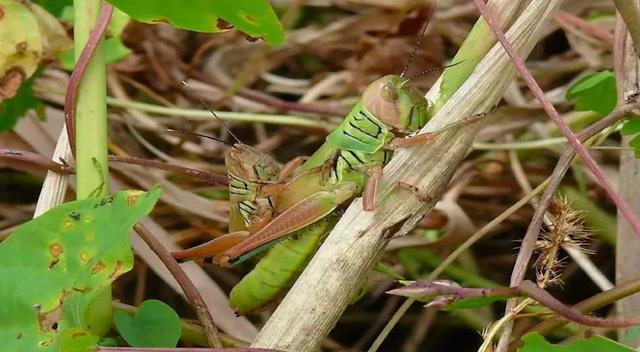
{"x": 348, "y": 164}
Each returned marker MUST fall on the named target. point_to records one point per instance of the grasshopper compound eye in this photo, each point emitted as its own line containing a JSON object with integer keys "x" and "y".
{"x": 389, "y": 92}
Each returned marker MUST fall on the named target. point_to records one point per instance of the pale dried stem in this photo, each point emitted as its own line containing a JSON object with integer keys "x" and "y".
{"x": 318, "y": 298}
{"x": 630, "y": 12}
{"x": 628, "y": 246}
{"x": 55, "y": 185}
{"x": 498, "y": 325}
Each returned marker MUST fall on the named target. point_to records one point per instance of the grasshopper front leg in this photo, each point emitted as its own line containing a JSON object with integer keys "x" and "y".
{"x": 370, "y": 193}
{"x": 428, "y": 137}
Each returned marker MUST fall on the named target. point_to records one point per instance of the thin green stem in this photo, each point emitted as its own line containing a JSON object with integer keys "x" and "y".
{"x": 537, "y": 144}
{"x": 92, "y": 169}
{"x": 225, "y": 115}
{"x": 546, "y": 143}
{"x": 91, "y": 108}
{"x": 478, "y": 42}
{"x": 199, "y": 114}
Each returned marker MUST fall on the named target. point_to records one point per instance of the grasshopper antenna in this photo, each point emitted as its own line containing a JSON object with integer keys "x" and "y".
{"x": 213, "y": 113}
{"x": 200, "y": 135}
{"x": 418, "y": 40}
{"x": 434, "y": 69}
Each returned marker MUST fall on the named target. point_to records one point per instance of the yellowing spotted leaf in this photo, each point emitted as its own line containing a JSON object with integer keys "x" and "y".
{"x": 52, "y": 267}
{"x": 20, "y": 46}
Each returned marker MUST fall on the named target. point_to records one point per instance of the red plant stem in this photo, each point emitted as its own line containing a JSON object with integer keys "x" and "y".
{"x": 555, "y": 117}
{"x": 592, "y": 303}
{"x": 208, "y": 177}
{"x": 531, "y": 290}
{"x": 78, "y": 72}
{"x": 36, "y": 159}
{"x": 188, "y": 287}
{"x": 525, "y": 289}
{"x": 566, "y": 18}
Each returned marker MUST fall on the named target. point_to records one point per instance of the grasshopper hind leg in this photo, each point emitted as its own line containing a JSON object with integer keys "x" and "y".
{"x": 278, "y": 269}
{"x": 204, "y": 252}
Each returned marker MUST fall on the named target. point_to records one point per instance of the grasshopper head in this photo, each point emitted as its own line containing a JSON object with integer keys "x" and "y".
{"x": 249, "y": 164}
{"x": 394, "y": 101}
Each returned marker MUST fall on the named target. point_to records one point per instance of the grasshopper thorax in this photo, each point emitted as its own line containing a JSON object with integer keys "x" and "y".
{"x": 397, "y": 103}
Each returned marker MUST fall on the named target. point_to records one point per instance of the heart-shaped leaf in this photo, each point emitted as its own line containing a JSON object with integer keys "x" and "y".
{"x": 155, "y": 324}
{"x": 596, "y": 92}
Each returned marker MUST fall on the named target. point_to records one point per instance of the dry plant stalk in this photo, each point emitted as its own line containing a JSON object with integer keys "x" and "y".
{"x": 318, "y": 298}
{"x": 630, "y": 12}
{"x": 627, "y": 259}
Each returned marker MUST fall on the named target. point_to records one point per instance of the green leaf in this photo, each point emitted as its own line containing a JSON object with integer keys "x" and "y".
{"x": 596, "y": 92}
{"x": 114, "y": 50}
{"x": 631, "y": 127}
{"x": 22, "y": 42}
{"x": 21, "y": 49}
{"x": 14, "y": 108}
{"x": 113, "y": 47}
{"x": 53, "y": 266}
{"x": 155, "y": 324}
{"x": 388, "y": 270}
{"x": 635, "y": 143}
{"x": 55, "y": 7}
{"x": 253, "y": 17}
{"x": 77, "y": 340}
{"x": 534, "y": 342}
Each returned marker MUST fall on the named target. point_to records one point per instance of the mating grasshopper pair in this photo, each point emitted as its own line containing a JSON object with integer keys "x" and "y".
{"x": 299, "y": 202}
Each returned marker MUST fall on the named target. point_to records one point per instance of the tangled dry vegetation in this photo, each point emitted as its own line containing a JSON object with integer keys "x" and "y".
{"x": 299, "y": 91}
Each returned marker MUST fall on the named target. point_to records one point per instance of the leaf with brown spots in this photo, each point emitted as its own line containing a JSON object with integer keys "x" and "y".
{"x": 255, "y": 18}
{"x": 51, "y": 269}
{"x": 21, "y": 46}
{"x": 28, "y": 35}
